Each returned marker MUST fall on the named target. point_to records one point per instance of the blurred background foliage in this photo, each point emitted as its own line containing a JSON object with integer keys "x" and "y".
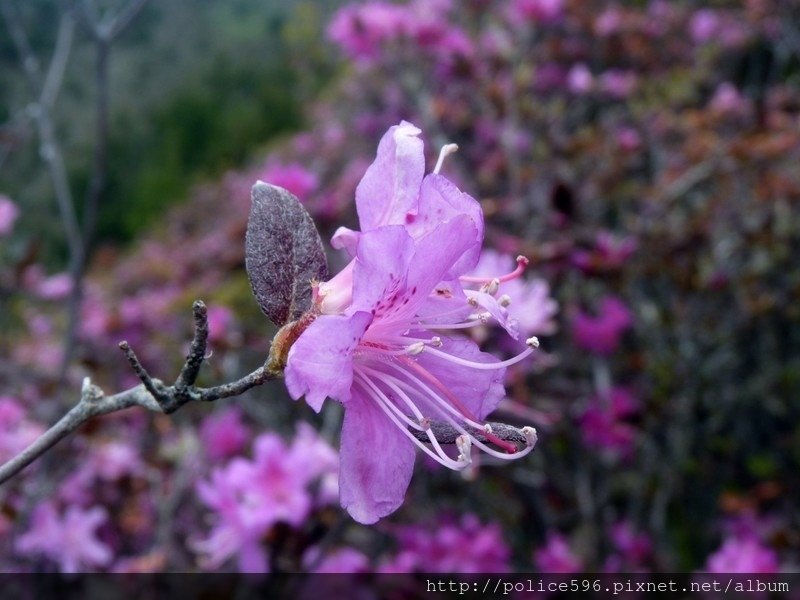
{"x": 196, "y": 88}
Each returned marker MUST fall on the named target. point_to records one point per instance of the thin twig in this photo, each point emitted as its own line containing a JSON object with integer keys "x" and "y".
{"x": 49, "y": 148}
{"x": 58, "y": 63}
{"x": 197, "y": 351}
{"x": 125, "y": 17}
{"x": 103, "y": 35}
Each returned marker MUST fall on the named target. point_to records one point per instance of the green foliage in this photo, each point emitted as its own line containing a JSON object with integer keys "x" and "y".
{"x": 206, "y": 128}
{"x": 196, "y": 88}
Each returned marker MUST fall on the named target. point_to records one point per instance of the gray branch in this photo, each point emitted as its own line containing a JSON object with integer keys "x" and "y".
{"x": 44, "y": 89}
{"x": 152, "y": 394}
{"x": 58, "y": 63}
{"x": 125, "y": 17}
{"x": 107, "y": 29}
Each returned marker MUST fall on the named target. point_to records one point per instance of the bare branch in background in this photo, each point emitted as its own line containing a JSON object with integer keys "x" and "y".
{"x": 125, "y": 17}
{"x": 103, "y": 34}
{"x": 45, "y": 89}
{"x": 58, "y": 63}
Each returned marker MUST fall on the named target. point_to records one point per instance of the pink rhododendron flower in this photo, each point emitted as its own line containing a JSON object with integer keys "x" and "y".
{"x": 69, "y": 539}
{"x": 743, "y": 554}
{"x": 557, "y": 557}
{"x": 376, "y": 342}
{"x": 603, "y": 333}
{"x": 603, "y": 424}
{"x": 223, "y": 434}
{"x": 8, "y": 214}
{"x": 465, "y": 546}
{"x": 249, "y": 497}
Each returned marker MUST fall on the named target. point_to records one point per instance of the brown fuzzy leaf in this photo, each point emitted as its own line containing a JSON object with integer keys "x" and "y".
{"x": 283, "y": 253}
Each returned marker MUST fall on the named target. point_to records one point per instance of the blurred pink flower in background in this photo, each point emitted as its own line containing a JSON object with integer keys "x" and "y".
{"x": 361, "y": 29}
{"x": 292, "y": 176}
{"x": 54, "y": 287}
{"x": 580, "y": 79}
{"x": 221, "y": 325}
{"x": 550, "y": 77}
{"x": 602, "y": 334}
{"x": 224, "y": 434}
{"x": 743, "y": 554}
{"x": 704, "y": 25}
{"x": 16, "y": 431}
{"x": 556, "y": 556}
{"x": 248, "y": 497}
{"x": 538, "y": 11}
{"x": 340, "y": 560}
{"x": 69, "y": 540}
{"x": 107, "y": 461}
{"x": 628, "y": 139}
{"x": 632, "y": 549}
{"x": 464, "y": 546}
{"x": 618, "y": 83}
{"x": 531, "y": 307}
{"x": 609, "y": 21}
{"x": 727, "y": 100}
{"x": 603, "y": 423}
{"x": 8, "y": 215}
{"x": 43, "y": 348}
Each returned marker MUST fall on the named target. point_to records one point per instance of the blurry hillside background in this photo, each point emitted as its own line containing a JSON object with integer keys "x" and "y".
{"x": 644, "y": 155}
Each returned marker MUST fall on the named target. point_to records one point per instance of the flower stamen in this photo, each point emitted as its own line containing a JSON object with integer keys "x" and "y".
{"x": 491, "y": 287}
{"x": 443, "y": 408}
{"x": 486, "y": 366}
{"x": 385, "y": 403}
{"x": 522, "y": 263}
{"x": 446, "y": 151}
{"x": 464, "y": 446}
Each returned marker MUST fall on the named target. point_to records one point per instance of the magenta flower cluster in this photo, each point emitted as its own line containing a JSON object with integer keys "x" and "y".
{"x": 281, "y": 484}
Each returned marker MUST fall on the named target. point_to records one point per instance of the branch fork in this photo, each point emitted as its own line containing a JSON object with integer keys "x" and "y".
{"x": 153, "y": 394}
